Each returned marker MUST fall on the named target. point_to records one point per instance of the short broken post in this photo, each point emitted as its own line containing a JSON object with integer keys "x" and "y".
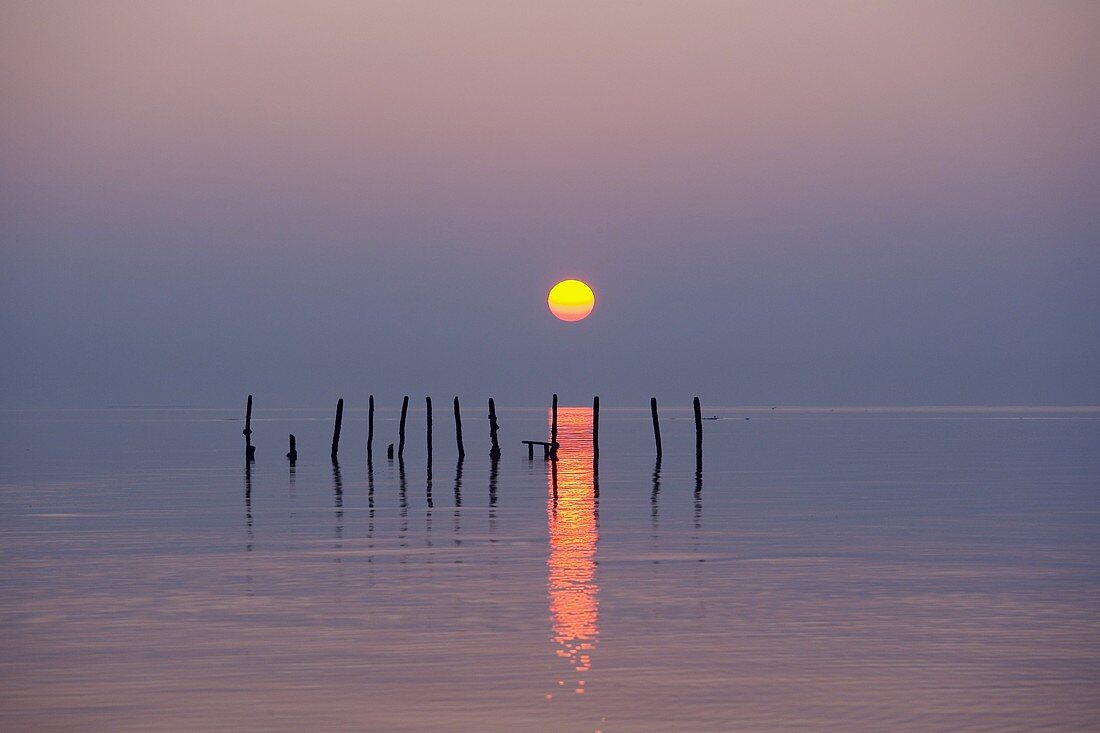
{"x": 292, "y": 454}
{"x": 336, "y": 428}
{"x": 458, "y": 432}
{"x": 389, "y": 451}
{"x": 656, "y": 426}
{"x": 494, "y": 451}
{"x": 401, "y": 428}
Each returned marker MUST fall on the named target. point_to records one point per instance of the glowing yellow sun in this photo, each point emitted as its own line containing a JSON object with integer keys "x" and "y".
{"x": 571, "y": 300}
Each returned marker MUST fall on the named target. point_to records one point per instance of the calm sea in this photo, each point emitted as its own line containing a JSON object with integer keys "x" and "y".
{"x": 831, "y": 570}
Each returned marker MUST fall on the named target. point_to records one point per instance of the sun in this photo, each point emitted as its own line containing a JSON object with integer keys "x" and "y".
{"x": 571, "y": 300}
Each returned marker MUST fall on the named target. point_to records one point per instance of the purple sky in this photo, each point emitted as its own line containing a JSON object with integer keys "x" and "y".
{"x": 776, "y": 203}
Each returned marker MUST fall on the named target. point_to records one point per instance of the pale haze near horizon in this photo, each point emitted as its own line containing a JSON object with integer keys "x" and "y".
{"x": 775, "y": 203}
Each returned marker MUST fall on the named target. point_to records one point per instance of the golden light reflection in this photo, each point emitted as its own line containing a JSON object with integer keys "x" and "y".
{"x": 572, "y": 518}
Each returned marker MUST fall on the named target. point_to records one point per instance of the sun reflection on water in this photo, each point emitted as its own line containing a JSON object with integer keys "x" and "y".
{"x": 571, "y": 511}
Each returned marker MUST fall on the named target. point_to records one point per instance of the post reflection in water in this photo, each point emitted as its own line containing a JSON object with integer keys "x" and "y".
{"x": 248, "y": 504}
{"x": 573, "y": 528}
{"x": 338, "y": 507}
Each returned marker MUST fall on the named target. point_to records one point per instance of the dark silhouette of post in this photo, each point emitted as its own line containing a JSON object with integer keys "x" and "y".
{"x": 494, "y": 452}
{"x": 389, "y": 451}
{"x": 249, "y": 449}
{"x": 292, "y": 454}
{"x": 401, "y": 428}
{"x": 336, "y": 428}
{"x": 370, "y": 429}
{"x": 698, "y": 437}
{"x": 554, "y": 428}
{"x": 428, "y": 407}
{"x": 656, "y": 426}
{"x": 596, "y": 428}
{"x": 458, "y": 432}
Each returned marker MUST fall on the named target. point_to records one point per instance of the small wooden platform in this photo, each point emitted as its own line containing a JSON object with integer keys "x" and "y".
{"x": 546, "y": 448}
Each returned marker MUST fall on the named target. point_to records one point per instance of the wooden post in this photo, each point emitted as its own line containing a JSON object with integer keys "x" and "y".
{"x": 336, "y": 428}
{"x": 656, "y": 426}
{"x": 554, "y": 428}
{"x": 249, "y": 449}
{"x": 596, "y": 427}
{"x": 401, "y": 428}
{"x": 370, "y": 429}
{"x": 293, "y": 453}
{"x": 458, "y": 432}
{"x": 494, "y": 452}
{"x": 428, "y": 407}
{"x": 389, "y": 451}
{"x": 698, "y": 436}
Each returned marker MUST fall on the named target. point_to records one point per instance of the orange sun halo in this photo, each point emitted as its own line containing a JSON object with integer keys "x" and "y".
{"x": 571, "y": 300}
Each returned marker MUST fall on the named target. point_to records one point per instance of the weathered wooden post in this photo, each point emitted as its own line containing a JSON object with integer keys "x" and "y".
{"x": 596, "y": 447}
{"x": 336, "y": 428}
{"x": 458, "y": 432}
{"x": 698, "y": 437}
{"x": 370, "y": 429}
{"x": 596, "y": 428}
{"x": 428, "y": 407}
{"x": 249, "y": 449}
{"x": 494, "y": 452}
{"x": 401, "y": 428}
{"x": 389, "y": 451}
{"x": 656, "y": 426}
{"x": 293, "y": 453}
{"x": 554, "y": 428}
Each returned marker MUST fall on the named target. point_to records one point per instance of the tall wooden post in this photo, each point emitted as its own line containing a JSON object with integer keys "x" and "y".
{"x": 428, "y": 408}
{"x": 596, "y": 427}
{"x": 249, "y": 449}
{"x": 336, "y": 428}
{"x": 494, "y": 452}
{"x": 428, "y": 404}
{"x": 370, "y": 429}
{"x": 554, "y": 428}
{"x": 656, "y": 426}
{"x": 401, "y": 428}
{"x": 698, "y": 436}
{"x": 458, "y": 432}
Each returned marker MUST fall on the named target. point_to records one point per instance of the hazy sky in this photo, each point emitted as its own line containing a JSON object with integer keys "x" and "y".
{"x": 776, "y": 203}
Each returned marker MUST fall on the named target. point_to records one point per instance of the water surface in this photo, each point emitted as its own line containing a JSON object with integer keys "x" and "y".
{"x": 831, "y": 570}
